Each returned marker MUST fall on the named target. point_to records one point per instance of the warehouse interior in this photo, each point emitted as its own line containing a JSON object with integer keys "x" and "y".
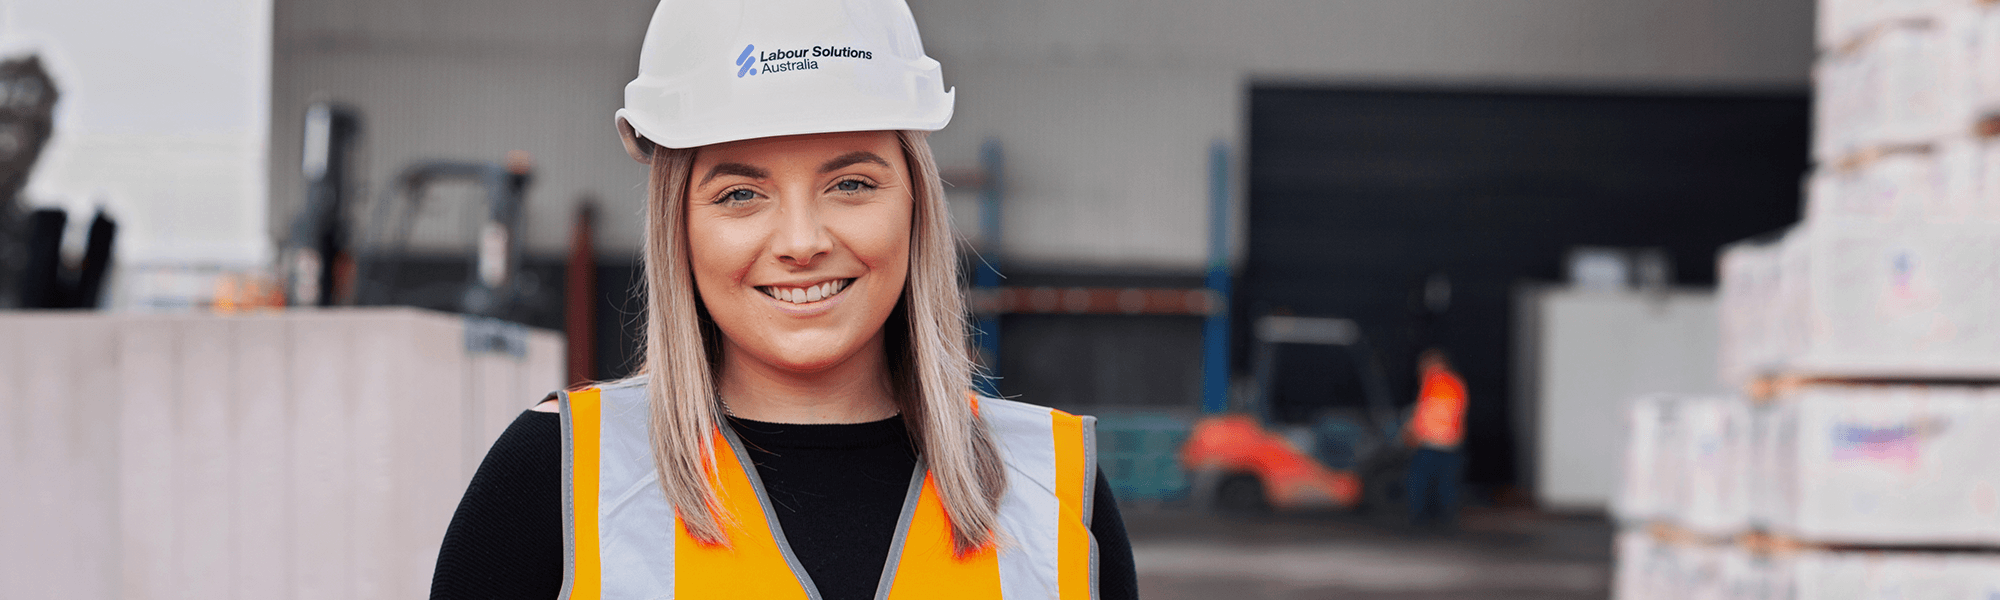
{"x": 1105, "y": 115}
{"x": 1701, "y": 266}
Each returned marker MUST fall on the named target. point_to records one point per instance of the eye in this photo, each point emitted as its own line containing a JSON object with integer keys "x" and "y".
{"x": 737, "y": 196}
{"x": 852, "y": 185}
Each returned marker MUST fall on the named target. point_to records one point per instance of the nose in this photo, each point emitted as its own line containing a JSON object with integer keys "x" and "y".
{"x": 801, "y": 237}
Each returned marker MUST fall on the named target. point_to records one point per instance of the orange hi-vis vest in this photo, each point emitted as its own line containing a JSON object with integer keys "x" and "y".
{"x": 1440, "y": 418}
{"x": 623, "y": 540}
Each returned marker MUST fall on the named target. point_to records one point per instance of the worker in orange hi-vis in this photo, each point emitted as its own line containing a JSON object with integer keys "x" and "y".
{"x": 1436, "y": 430}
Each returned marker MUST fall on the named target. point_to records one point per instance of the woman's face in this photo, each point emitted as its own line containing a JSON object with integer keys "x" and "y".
{"x": 800, "y": 244}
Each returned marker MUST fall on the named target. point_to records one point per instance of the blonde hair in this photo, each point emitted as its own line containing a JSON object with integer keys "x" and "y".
{"x": 929, "y": 365}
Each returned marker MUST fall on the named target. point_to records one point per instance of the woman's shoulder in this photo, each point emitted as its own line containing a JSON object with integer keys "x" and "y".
{"x": 997, "y": 410}
{"x": 632, "y": 386}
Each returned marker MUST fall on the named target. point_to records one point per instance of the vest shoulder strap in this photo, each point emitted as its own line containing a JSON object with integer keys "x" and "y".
{"x": 1051, "y": 459}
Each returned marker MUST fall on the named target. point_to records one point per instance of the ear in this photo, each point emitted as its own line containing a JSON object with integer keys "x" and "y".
{"x": 639, "y": 148}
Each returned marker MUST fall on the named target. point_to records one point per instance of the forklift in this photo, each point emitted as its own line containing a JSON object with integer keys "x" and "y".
{"x": 1245, "y": 461}
{"x": 316, "y": 260}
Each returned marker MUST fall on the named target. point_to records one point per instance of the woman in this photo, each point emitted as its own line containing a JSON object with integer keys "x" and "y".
{"x": 802, "y": 426}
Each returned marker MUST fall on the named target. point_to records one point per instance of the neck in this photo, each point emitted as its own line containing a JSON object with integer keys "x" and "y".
{"x": 855, "y": 390}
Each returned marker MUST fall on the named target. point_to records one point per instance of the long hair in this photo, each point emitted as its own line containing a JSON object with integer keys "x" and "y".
{"x": 929, "y": 364}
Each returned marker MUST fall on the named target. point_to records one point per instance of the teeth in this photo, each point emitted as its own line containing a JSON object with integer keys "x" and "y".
{"x": 807, "y": 294}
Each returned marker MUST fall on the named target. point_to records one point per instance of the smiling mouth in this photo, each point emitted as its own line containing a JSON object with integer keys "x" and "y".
{"x": 808, "y": 294}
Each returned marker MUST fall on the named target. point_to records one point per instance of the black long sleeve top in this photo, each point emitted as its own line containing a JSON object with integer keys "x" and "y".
{"x": 837, "y": 490}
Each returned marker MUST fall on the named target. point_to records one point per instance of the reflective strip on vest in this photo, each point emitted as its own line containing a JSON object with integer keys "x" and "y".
{"x": 622, "y": 539}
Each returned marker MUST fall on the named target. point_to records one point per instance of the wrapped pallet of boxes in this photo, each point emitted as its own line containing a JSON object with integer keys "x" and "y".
{"x": 1984, "y": 20}
{"x": 1684, "y": 499}
{"x": 1850, "y": 574}
{"x": 1791, "y": 331}
{"x": 1632, "y": 575}
{"x": 1901, "y": 85}
{"x": 1748, "y": 273}
{"x": 1984, "y": 206}
{"x": 1697, "y": 573}
{"x": 1654, "y": 567}
{"x": 1870, "y": 332}
{"x": 1757, "y": 574}
{"x": 1967, "y": 188}
{"x": 1650, "y": 494}
{"x": 1656, "y": 564}
{"x": 1902, "y": 465}
{"x": 1771, "y": 437}
{"x": 1713, "y": 443}
{"x": 1844, "y": 23}
{"x": 307, "y": 453}
{"x": 1901, "y": 301}
{"x": 1945, "y": 183}
{"x": 1650, "y": 491}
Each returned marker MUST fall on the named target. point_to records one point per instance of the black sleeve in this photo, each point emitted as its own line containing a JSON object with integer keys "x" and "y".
{"x": 1117, "y": 578}
{"x": 505, "y": 541}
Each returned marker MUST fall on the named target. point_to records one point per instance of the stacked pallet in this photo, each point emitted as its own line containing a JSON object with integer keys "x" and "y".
{"x": 1893, "y": 271}
{"x": 1886, "y": 489}
{"x": 1859, "y": 461}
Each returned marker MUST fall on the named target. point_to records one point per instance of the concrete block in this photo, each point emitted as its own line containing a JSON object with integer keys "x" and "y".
{"x": 304, "y": 454}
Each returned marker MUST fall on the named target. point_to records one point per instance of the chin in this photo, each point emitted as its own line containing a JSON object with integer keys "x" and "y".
{"x": 791, "y": 354}
{"x": 804, "y": 364}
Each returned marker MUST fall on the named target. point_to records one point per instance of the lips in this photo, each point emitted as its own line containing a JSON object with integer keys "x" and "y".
{"x": 808, "y": 294}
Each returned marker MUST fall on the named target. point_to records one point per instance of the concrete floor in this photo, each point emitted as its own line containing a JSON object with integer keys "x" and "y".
{"x": 1493, "y": 554}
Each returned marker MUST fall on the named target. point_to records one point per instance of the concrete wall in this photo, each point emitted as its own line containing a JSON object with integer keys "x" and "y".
{"x": 1105, "y": 110}
{"x": 305, "y": 454}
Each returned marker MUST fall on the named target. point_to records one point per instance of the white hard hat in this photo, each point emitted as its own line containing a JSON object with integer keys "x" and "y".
{"x": 718, "y": 71}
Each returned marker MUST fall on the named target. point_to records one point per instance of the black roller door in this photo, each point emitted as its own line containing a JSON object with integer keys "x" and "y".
{"x": 1357, "y": 195}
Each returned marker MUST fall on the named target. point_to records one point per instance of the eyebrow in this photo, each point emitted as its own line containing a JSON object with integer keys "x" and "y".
{"x": 851, "y": 159}
{"x": 739, "y": 169}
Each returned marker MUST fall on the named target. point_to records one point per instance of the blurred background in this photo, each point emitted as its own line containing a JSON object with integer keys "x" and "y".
{"x": 1228, "y": 229}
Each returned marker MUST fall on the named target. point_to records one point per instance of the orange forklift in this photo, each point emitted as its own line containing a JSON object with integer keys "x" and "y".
{"x": 1244, "y": 461}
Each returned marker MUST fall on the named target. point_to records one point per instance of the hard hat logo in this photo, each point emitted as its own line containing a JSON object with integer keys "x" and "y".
{"x": 781, "y": 60}
{"x": 747, "y": 61}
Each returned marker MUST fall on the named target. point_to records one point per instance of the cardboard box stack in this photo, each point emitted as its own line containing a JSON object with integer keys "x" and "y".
{"x": 1820, "y": 489}
{"x": 1863, "y": 458}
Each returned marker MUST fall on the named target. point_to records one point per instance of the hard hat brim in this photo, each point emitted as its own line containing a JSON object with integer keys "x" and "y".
{"x": 636, "y": 130}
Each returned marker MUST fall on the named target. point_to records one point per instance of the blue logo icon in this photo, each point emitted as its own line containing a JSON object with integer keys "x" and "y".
{"x": 746, "y": 62}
